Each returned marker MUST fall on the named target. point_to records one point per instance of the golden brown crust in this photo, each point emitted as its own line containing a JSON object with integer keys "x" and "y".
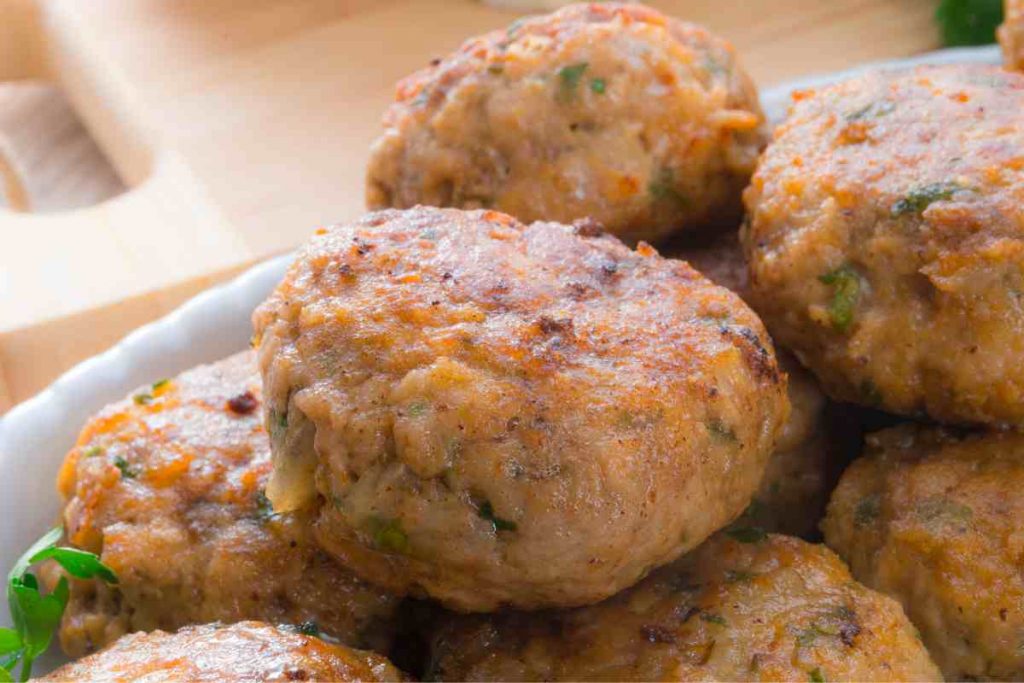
{"x": 507, "y": 414}
{"x": 247, "y": 651}
{"x": 166, "y": 488}
{"x": 935, "y": 518}
{"x": 611, "y": 111}
{"x": 885, "y": 240}
{"x": 770, "y": 609}
{"x": 808, "y": 454}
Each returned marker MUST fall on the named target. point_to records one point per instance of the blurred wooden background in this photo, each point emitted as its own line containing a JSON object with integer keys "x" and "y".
{"x": 256, "y": 116}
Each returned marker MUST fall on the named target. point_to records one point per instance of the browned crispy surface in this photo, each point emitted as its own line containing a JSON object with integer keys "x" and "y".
{"x": 166, "y": 488}
{"x": 810, "y": 450}
{"x": 936, "y": 519}
{"x": 611, "y": 111}
{"x": 499, "y": 414}
{"x": 247, "y": 651}
{"x": 886, "y": 240}
{"x": 771, "y": 609}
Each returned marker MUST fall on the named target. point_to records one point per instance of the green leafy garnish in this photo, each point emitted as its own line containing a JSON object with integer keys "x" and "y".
{"x": 845, "y": 283}
{"x": 36, "y": 616}
{"x": 142, "y": 398}
{"x": 816, "y": 676}
{"x": 93, "y": 452}
{"x": 747, "y": 534}
{"x": 920, "y": 198}
{"x": 160, "y": 384}
{"x": 127, "y": 471}
{"x": 388, "y": 535}
{"x": 486, "y": 511}
{"x": 597, "y": 85}
{"x": 969, "y": 22}
{"x": 569, "y": 77}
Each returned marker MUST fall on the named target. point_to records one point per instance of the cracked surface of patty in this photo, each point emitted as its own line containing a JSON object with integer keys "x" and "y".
{"x": 497, "y": 414}
{"x": 935, "y": 518}
{"x": 611, "y": 111}
{"x": 166, "y": 487}
{"x": 886, "y": 241}
{"x": 765, "y": 608}
{"x": 246, "y": 651}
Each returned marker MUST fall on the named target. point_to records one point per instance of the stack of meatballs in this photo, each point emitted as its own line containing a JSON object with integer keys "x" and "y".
{"x": 487, "y": 432}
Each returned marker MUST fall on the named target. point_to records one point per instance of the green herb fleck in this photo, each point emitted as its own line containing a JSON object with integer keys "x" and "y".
{"x": 872, "y": 110}
{"x": 816, "y": 676}
{"x": 127, "y": 471}
{"x": 663, "y": 188}
{"x": 969, "y": 22}
{"x": 738, "y": 576}
{"x": 845, "y": 283}
{"x": 871, "y": 393}
{"x": 920, "y": 198}
{"x": 597, "y": 85}
{"x": 720, "y": 430}
{"x": 388, "y": 535}
{"x": 264, "y": 508}
{"x": 418, "y": 408}
{"x": 867, "y": 510}
{"x": 93, "y": 451}
{"x": 278, "y": 424}
{"x": 569, "y": 77}
{"x": 35, "y": 616}
{"x": 748, "y": 534}
{"x": 713, "y": 618}
{"x": 309, "y": 628}
{"x": 142, "y": 398}
{"x": 941, "y": 508}
{"x": 486, "y": 511}
{"x": 160, "y": 384}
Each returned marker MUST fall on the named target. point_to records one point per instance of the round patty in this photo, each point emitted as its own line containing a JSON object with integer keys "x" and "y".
{"x": 769, "y": 608}
{"x": 611, "y": 111}
{"x": 498, "y": 414}
{"x": 808, "y": 454}
{"x": 248, "y": 651}
{"x": 885, "y": 240}
{"x": 936, "y": 519}
{"x": 167, "y": 487}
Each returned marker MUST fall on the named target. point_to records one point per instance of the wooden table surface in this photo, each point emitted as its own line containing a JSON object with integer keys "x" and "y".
{"x": 49, "y": 163}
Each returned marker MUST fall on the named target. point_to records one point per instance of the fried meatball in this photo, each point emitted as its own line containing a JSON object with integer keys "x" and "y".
{"x": 803, "y": 468}
{"x": 167, "y": 487}
{"x": 493, "y": 414}
{"x": 248, "y": 651}
{"x": 764, "y": 608}
{"x": 1011, "y": 34}
{"x": 611, "y": 111}
{"x": 935, "y": 518}
{"x": 885, "y": 241}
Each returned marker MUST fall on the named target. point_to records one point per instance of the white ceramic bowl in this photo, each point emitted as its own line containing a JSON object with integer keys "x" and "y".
{"x": 35, "y": 435}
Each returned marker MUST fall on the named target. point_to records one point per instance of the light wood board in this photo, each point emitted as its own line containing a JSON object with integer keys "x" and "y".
{"x": 240, "y": 126}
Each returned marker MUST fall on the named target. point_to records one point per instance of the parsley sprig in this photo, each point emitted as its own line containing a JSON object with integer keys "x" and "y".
{"x": 37, "y": 616}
